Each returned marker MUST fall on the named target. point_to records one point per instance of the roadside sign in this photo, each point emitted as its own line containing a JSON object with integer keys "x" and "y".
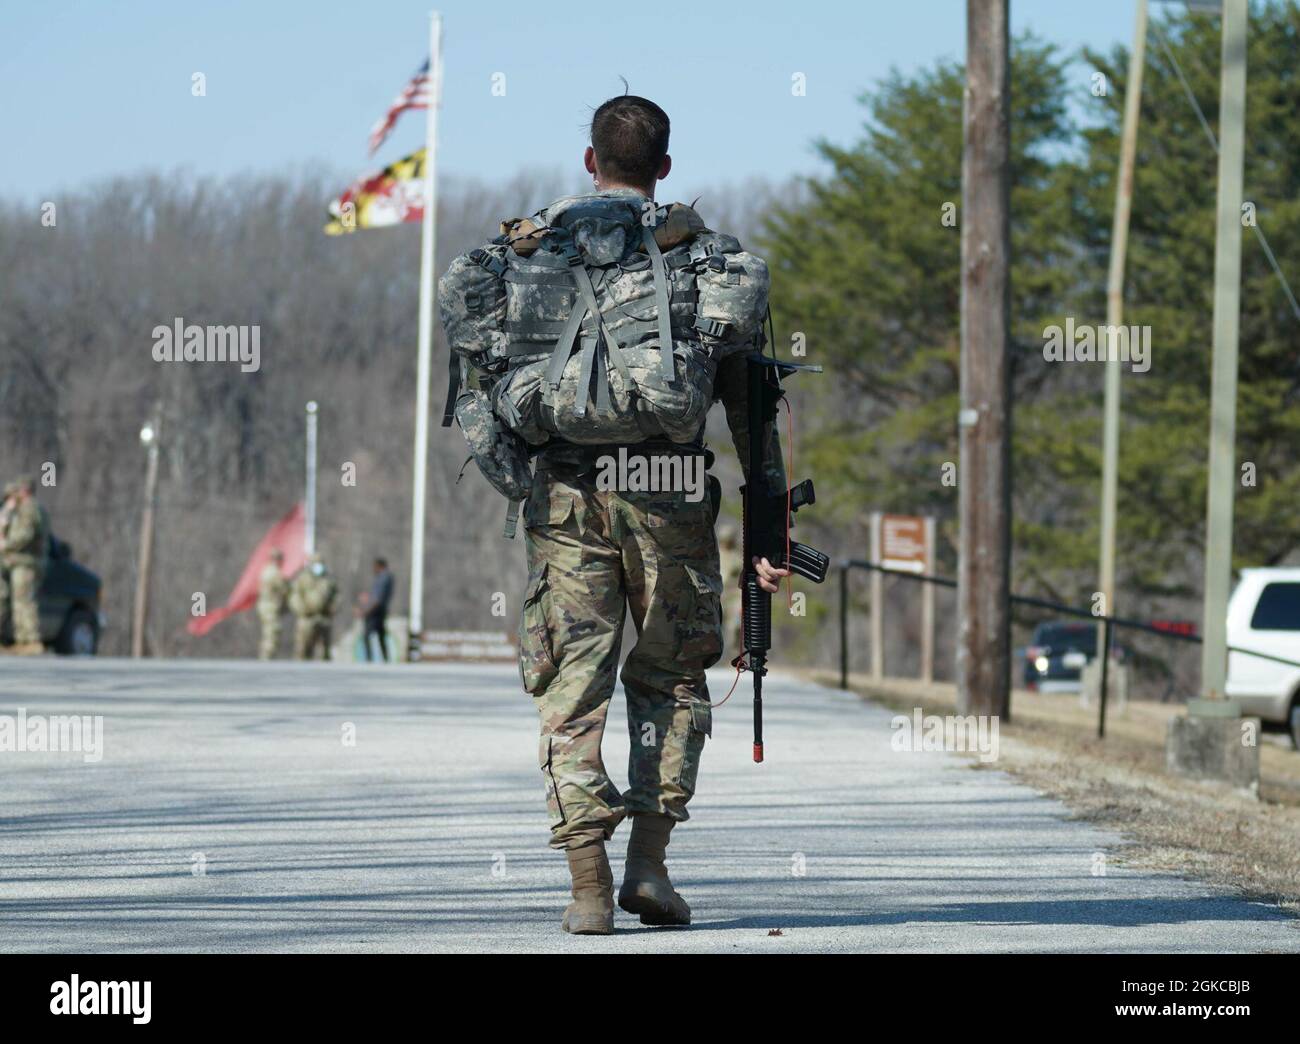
{"x": 903, "y": 543}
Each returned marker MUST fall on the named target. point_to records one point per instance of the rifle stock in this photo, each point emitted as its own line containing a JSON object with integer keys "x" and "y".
{"x": 767, "y": 521}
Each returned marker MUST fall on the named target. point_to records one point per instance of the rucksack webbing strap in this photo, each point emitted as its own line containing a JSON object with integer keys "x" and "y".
{"x": 552, "y": 277}
{"x": 667, "y": 372}
{"x": 589, "y": 345}
{"x": 455, "y": 378}
{"x": 545, "y": 327}
{"x": 512, "y": 519}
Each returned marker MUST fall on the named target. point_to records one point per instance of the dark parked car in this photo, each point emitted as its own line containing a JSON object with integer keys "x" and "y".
{"x": 69, "y": 601}
{"x": 1057, "y": 654}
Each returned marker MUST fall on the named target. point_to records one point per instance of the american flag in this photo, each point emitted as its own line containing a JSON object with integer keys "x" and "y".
{"x": 415, "y": 95}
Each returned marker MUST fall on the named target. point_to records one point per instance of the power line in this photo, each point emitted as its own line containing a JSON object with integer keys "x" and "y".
{"x": 1214, "y": 144}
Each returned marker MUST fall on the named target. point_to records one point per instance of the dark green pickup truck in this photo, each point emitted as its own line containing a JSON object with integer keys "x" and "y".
{"x": 69, "y": 602}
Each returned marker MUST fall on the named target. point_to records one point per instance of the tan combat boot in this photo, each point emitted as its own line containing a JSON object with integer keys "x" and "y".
{"x": 28, "y": 649}
{"x": 646, "y": 889}
{"x": 592, "y": 909}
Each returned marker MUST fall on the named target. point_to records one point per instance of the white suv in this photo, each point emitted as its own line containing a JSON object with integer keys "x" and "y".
{"x": 1264, "y": 616}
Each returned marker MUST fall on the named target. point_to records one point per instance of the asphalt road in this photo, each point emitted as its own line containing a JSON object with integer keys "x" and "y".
{"x": 428, "y": 833}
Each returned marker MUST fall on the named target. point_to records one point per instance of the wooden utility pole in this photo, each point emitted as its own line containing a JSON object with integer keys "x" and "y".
{"x": 1223, "y": 393}
{"x": 983, "y": 582}
{"x": 1115, "y": 316}
{"x": 149, "y": 436}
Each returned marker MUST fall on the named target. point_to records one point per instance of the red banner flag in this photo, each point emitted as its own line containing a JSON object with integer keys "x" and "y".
{"x": 289, "y": 535}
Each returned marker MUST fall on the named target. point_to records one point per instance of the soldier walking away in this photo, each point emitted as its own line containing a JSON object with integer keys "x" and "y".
{"x": 375, "y": 621}
{"x": 313, "y": 597}
{"x": 607, "y": 322}
{"x": 272, "y": 595}
{"x": 25, "y": 546}
{"x": 7, "y": 505}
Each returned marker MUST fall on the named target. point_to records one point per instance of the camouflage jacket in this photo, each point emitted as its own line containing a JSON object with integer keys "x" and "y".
{"x": 272, "y": 589}
{"x": 312, "y": 596}
{"x": 26, "y": 535}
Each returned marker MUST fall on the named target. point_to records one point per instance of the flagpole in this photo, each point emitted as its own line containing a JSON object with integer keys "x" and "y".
{"x": 309, "y": 529}
{"x": 428, "y": 255}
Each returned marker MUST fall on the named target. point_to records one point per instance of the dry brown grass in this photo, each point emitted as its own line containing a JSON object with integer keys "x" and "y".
{"x": 1205, "y": 830}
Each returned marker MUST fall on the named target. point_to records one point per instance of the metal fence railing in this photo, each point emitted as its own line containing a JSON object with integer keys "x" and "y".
{"x": 1109, "y": 623}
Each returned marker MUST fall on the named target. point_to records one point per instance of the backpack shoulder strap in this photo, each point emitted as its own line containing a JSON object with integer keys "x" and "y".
{"x": 662, "y": 307}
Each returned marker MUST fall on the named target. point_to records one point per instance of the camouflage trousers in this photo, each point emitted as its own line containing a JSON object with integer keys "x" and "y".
{"x": 309, "y": 632}
{"x": 269, "y": 618}
{"x": 24, "y": 582}
{"x": 594, "y": 555}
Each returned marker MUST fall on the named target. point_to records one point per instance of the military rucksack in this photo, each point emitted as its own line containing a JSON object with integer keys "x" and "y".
{"x": 317, "y": 594}
{"x": 600, "y": 320}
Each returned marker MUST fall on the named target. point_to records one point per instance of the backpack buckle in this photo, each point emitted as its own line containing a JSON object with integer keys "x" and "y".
{"x": 568, "y": 250}
{"x": 710, "y": 327}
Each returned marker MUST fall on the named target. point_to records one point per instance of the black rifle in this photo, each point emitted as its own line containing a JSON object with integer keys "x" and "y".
{"x": 768, "y": 516}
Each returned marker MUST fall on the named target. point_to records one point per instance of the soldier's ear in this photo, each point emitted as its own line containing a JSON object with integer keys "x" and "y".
{"x": 589, "y": 160}
{"x": 665, "y": 167}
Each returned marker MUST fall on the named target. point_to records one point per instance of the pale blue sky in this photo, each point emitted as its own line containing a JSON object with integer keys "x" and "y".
{"x": 91, "y": 89}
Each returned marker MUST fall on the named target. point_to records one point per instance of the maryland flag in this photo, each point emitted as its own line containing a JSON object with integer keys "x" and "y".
{"x": 391, "y": 197}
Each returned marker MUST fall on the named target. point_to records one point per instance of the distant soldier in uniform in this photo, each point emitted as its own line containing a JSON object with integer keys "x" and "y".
{"x": 272, "y": 593}
{"x": 7, "y": 505}
{"x": 730, "y": 557}
{"x": 596, "y": 553}
{"x": 313, "y": 598}
{"x": 26, "y": 545}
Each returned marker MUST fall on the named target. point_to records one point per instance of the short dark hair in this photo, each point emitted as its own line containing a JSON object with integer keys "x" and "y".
{"x": 630, "y": 136}
{"x": 381, "y": 562}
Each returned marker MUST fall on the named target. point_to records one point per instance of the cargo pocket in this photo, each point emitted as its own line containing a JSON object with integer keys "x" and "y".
{"x": 545, "y": 760}
{"x": 701, "y": 628}
{"x": 545, "y": 507}
{"x": 536, "y": 654}
{"x": 683, "y": 749}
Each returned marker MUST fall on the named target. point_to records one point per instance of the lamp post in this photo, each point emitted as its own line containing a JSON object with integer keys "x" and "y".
{"x": 149, "y": 438}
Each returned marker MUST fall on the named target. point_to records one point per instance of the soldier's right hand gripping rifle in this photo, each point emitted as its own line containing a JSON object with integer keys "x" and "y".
{"x": 768, "y": 516}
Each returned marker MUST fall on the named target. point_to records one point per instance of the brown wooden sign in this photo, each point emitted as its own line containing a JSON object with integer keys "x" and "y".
{"x": 903, "y": 543}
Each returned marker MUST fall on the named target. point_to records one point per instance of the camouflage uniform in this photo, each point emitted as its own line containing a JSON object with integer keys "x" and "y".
{"x": 26, "y": 546}
{"x": 591, "y": 553}
{"x": 313, "y": 600}
{"x": 272, "y": 590}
